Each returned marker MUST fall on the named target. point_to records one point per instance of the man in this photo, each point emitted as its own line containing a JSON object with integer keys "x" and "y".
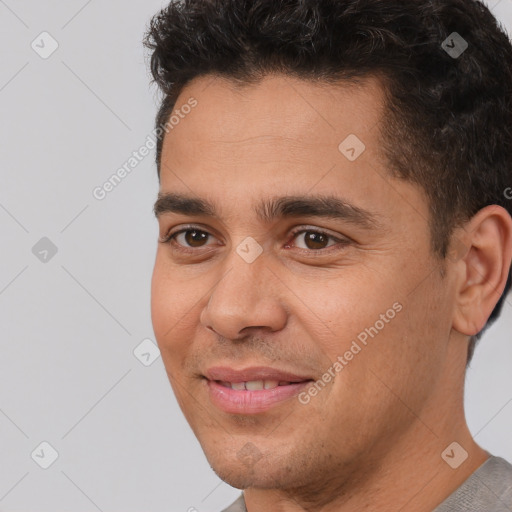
{"x": 335, "y": 235}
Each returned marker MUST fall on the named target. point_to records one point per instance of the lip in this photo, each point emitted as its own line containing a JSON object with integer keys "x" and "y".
{"x": 227, "y": 374}
{"x": 236, "y": 401}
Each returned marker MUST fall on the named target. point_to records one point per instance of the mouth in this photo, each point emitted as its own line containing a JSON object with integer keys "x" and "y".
{"x": 252, "y": 390}
{"x": 254, "y": 385}
{"x": 254, "y": 374}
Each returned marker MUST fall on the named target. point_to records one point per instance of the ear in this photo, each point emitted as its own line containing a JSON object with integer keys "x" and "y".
{"x": 483, "y": 271}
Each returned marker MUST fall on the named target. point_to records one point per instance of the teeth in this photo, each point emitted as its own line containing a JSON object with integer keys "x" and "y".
{"x": 255, "y": 385}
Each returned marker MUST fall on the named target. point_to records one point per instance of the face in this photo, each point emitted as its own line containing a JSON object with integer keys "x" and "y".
{"x": 307, "y": 266}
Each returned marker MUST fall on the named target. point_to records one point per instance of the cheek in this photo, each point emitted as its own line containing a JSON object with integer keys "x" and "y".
{"x": 352, "y": 303}
{"x": 171, "y": 308}
{"x": 370, "y": 316}
{"x": 161, "y": 301}
{"x": 406, "y": 356}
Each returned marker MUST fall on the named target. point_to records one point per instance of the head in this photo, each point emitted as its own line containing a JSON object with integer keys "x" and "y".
{"x": 301, "y": 108}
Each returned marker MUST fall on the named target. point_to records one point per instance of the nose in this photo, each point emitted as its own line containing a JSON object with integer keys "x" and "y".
{"x": 247, "y": 296}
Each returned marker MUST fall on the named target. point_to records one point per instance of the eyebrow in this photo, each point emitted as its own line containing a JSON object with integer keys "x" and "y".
{"x": 268, "y": 210}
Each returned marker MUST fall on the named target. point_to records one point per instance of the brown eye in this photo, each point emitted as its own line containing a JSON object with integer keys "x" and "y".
{"x": 314, "y": 240}
{"x": 194, "y": 237}
{"x": 186, "y": 239}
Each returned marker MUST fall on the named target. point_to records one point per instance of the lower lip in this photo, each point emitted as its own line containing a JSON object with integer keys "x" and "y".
{"x": 251, "y": 402}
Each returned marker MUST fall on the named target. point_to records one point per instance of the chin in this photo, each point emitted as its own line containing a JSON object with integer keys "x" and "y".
{"x": 241, "y": 477}
{"x": 236, "y": 479}
{"x": 244, "y": 469}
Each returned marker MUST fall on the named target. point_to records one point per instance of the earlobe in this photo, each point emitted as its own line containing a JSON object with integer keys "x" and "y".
{"x": 484, "y": 269}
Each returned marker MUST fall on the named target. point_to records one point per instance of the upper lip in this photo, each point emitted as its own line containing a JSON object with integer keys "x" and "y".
{"x": 226, "y": 374}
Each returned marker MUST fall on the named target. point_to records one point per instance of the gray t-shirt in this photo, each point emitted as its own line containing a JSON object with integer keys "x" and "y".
{"x": 488, "y": 489}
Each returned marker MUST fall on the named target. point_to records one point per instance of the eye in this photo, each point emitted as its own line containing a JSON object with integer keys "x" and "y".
{"x": 190, "y": 238}
{"x": 315, "y": 240}
{"x": 187, "y": 238}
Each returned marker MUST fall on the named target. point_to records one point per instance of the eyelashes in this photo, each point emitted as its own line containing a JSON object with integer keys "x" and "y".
{"x": 171, "y": 239}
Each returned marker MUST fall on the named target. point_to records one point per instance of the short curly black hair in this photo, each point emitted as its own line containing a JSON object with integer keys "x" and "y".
{"x": 448, "y": 126}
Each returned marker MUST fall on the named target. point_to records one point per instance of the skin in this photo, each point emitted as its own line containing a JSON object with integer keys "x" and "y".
{"x": 372, "y": 439}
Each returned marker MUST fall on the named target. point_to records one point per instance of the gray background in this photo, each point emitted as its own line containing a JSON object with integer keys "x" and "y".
{"x": 71, "y": 323}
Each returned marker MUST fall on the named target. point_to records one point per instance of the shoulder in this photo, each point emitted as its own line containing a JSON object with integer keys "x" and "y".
{"x": 489, "y": 488}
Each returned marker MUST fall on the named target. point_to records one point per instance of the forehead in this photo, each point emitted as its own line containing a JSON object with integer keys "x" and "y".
{"x": 280, "y": 136}
{"x": 279, "y": 106}
{"x": 277, "y": 124}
